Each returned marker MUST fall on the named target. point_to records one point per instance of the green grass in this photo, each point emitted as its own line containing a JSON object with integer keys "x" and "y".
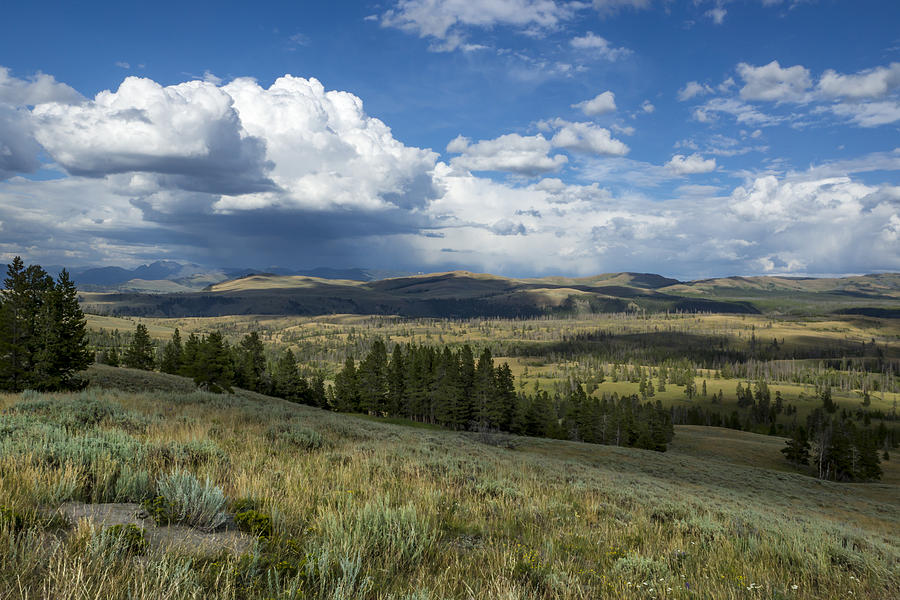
{"x": 387, "y": 511}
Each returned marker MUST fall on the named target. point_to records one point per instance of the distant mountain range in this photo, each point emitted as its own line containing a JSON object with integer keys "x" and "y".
{"x": 460, "y": 294}
{"x": 166, "y": 276}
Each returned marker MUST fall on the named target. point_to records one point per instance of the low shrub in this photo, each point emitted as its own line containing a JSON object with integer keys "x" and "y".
{"x": 295, "y": 435}
{"x": 12, "y": 519}
{"x": 640, "y": 568}
{"x": 183, "y": 499}
{"x": 254, "y": 522}
{"x": 129, "y": 539}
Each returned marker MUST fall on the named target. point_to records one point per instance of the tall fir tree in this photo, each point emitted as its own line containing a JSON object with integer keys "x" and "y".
{"x": 215, "y": 369}
{"x": 172, "y": 355}
{"x": 346, "y": 388}
{"x": 140, "y": 352}
{"x": 373, "y": 379}
{"x": 484, "y": 392}
{"x": 250, "y": 364}
{"x": 190, "y": 356}
{"x": 286, "y": 380}
{"x": 26, "y": 290}
{"x": 395, "y": 380}
{"x": 62, "y": 331}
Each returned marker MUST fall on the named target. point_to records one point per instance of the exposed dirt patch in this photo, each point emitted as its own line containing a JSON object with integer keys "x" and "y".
{"x": 170, "y": 537}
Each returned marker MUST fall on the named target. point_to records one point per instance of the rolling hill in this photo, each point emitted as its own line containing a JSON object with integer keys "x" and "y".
{"x": 458, "y": 294}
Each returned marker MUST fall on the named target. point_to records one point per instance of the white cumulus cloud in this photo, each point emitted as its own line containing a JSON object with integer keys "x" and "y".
{"x": 689, "y": 165}
{"x": 586, "y": 137}
{"x": 602, "y": 103}
{"x": 35, "y": 90}
{"x": 526, "y": 155}
{"x": 189, "y": 132}
{"x": 692, "y": 89}
{"x": 599, "y": 46}
{"x": 446, "y": 20}
{"x": 326, "y": 150}
{"x": 871, "y": 83}
{"x": 771, "y": 82}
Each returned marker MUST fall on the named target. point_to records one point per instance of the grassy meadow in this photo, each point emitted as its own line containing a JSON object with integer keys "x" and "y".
{"x": 362, "y": 508}
{"x": 539, "y": 353}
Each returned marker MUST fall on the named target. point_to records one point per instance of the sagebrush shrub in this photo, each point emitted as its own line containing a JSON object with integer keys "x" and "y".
{"x": 295, "y": 435}
{"x": 184, "y": 499}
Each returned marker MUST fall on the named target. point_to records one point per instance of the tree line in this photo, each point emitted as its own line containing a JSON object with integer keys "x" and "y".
{"x": 435, "y": 385}
{"x": 217, "y": 366}
{"x": 453, "y": 389}
{"x": 43, "y": 342}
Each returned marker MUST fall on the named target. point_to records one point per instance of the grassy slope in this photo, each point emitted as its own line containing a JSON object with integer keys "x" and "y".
{"x": 453, "y": 515}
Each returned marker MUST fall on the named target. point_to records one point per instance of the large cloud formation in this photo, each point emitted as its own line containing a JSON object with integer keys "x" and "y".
{"x": 18, "y": 148}
{"x": 292, "y": 174}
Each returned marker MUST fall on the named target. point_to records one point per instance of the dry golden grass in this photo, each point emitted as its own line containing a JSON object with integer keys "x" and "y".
{"x": 385, "y": 511}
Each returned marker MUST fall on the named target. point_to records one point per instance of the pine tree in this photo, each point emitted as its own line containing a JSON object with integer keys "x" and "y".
{"x": 505, "y": 396}
{"x": 139, "y": 354}
{"x": 395, "y": 380}
{"x": 466, "y": 408}
{"x": 286, "y": 378}
{"x": 20, "y": 337}
{"x": 110, "y": 357}
{"x": 172, "y": 355}
{"x": 373, "y": 379}
{"x": 62, "y": 331}
{"x": 215, "y": 370}
{"x": 446, "y": 390}
{"x": 797, "y": 448}
{"x": 346, "y": 388}
{"x": 250, "y": 363}
{"x": 190, "y": 356}
{"x": 484, "y": 392}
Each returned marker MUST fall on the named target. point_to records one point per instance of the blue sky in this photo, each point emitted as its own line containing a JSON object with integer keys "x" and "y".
{"x": 521, "y": 137}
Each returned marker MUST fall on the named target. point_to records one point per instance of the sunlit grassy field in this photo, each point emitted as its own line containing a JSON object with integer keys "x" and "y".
{"x": 382, "y": 510}
{"x": 323, "y": 342}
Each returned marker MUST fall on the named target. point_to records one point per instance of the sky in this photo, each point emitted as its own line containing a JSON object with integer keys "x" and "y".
{"x": 696, "y": 138}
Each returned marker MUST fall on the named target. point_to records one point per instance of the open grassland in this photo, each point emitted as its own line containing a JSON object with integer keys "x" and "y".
{"x": 368, "y": 509}
{"x": 540, "y": 352}
{"x": 347, "y": 333}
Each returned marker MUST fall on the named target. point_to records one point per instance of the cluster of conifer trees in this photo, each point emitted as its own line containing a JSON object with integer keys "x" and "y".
{"x": 451, "y": 388}
{"x": 43, "y": 342}
{"x": 217, "y": 366}
{"x": 837, "y": 447}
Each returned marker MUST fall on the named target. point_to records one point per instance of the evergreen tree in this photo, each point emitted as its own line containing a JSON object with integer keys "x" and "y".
{"x": 24, "y": 295}
{"x": 286, "y": 380}
{"x": 484, "y": 392}
{"x": 505, "y": 396}
{"x": 250, "y": 364}
{"x": 215, "y": 370}
{"x": 110, "y": 357}
{"x": 139, "y": 354}
{"x": 172, "y": 355}
{"x": 466, "y": 407}
{"x": 190, "y": 356}
{"x": 373, "y": 379}
{"x": 62, "y": 331}
{"x": 797, "y": 448}
{"x": 446, "y": 390}
{"x": 827, "y": 402}
{"x": 317, "y": 392}
{"x": 395, "y": 381}
{"x": 346, "y": 388}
